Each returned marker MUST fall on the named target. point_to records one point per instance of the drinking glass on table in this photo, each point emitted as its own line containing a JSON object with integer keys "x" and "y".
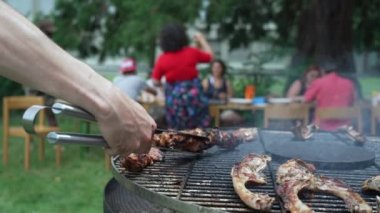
{"x": 250, "y": 91}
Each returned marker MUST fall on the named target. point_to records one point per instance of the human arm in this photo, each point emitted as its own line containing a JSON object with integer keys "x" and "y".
{"x": 203, "y": 44}
{"x": 205, "y": 84}
{"x": 311, "y": 93}
{"x": 230, "y": 92}
{"x": 294, "y": 90}
{"x": 29, "y": 57}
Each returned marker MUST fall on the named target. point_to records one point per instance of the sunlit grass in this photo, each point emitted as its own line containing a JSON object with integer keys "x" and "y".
{"x": 75, "y": 187}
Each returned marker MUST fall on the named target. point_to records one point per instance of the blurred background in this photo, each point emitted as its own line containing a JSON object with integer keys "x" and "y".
{"x": 270, "y": 40}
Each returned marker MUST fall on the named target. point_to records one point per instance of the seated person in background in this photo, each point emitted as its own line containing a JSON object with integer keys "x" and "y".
{"x": 331, "y": 90}
{"x": 217, "y": 87}
{"x": 130, "y": 83}
{"x": 299, "y": 86}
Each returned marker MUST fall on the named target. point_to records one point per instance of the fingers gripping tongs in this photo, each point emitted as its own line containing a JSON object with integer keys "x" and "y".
{"x": 31, "y": 114}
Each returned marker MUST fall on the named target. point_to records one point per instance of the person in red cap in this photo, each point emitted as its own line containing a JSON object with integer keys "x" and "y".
{"x": 130, "y": 83}
{"x": 29, "y": 57}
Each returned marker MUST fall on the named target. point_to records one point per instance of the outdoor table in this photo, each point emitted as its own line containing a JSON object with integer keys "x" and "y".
{"x": 215, "y": 109}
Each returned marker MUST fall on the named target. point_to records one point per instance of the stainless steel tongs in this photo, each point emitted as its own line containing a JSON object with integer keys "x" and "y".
{"x": 31, "y": 115}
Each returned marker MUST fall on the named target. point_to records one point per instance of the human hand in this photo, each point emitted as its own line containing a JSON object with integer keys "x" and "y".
{"x": 199, "y": 37}
{"x": 223, "y": 96}
{"x": 126, "y": 126}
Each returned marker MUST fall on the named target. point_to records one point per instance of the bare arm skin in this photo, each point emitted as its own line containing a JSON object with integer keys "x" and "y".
{"x": 29, "y": 57}
{"x": 294, "y": 89}
{"x": 230, "y": 92}
{"x": 203, "y": 44}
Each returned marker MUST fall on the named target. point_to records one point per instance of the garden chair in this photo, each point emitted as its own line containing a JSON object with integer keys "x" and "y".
{"x": 13, "y": 103}
{"x": 286, "y": 112}
{"x": 353, "y": 113}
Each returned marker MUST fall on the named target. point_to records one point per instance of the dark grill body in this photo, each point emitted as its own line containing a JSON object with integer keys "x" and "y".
{"x": 205, "y": 179}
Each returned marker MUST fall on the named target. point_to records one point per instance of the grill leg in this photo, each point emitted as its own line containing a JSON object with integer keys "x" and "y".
{"x": 27, "y": 152}
{"x": 41, "y": 149}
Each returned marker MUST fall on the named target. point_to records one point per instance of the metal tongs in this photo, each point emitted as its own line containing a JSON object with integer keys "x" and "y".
{"x": 31, "y": 114}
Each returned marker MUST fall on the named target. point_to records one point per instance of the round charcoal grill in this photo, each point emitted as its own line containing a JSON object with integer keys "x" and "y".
{"x": 186, "y": 182}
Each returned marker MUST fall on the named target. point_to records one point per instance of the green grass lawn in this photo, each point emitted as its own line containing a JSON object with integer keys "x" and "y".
{"x": 75, "y": 187}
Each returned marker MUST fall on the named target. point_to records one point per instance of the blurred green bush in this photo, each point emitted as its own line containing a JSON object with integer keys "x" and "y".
{"x": 8, "y": 88}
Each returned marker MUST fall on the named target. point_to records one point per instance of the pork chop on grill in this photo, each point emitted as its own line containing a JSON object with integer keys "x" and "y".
{"x": 296, "y": 175}
{"x": 249, "y": 170}
{"x": 292, "y": 177}
{"x": 354, "y": 202}
{"x": 372, "y": 184}
{"x": 222, "y": 138}
{"x": 137, "y": 162}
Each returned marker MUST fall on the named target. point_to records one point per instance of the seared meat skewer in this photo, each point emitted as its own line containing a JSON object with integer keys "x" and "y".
{"x": 225, "y": 139}
{"x": 249, "y": 170}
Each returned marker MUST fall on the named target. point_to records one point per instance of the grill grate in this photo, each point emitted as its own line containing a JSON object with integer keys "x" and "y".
{"x": 205, "y": 179}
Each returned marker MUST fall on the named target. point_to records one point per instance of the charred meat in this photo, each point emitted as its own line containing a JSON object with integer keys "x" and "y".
{"x": 249, "y": 170}
{"x": 292, "y": 177}
{"x": 137, "y": 162}
{"x": 372, "y": 184}
{"x": 296, "y": 175}
{"x": 224, "y": 139}
{"x": 354, "y": 134}
{"x": 303, "y": 132}
{"x": 354, "y": 202}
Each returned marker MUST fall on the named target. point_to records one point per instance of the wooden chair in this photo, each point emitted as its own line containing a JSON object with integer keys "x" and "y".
{"x": 353, "y": 113}
{"x": 215, "y": 114}
{"x": 374, "y": 117}
{"x": 293, "y": 111}
{"x": 12, "y": 103}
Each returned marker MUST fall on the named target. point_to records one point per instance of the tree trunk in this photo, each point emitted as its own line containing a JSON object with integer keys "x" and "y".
{"x": 325, "y": 33}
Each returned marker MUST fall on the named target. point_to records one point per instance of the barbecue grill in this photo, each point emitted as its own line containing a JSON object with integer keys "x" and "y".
{"x": 188, "y": 182}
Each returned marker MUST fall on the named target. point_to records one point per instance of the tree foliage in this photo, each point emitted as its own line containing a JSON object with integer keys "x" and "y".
{"x": 117, "y": 27}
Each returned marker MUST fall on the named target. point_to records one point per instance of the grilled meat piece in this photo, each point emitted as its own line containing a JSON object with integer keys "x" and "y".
{"x": 292, "y": 177}
{"x": 249, "y": 170}
{"x": 225, "y": 139}
{"x": 137, "y": 162}
{"x": 353, "y": 200}
{"x": 295, "y": 175}
{"x": 372, "y": 184}
{"x": 354, "y": 134}
{"x": 303, "y": 132}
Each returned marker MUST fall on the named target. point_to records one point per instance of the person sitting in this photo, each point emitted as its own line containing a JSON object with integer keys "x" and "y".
{"x": 331, "y": 90}
{"x": 130, "y": 83}
{"x": 217, "y": 87}
{"x": 299, "y": 86}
